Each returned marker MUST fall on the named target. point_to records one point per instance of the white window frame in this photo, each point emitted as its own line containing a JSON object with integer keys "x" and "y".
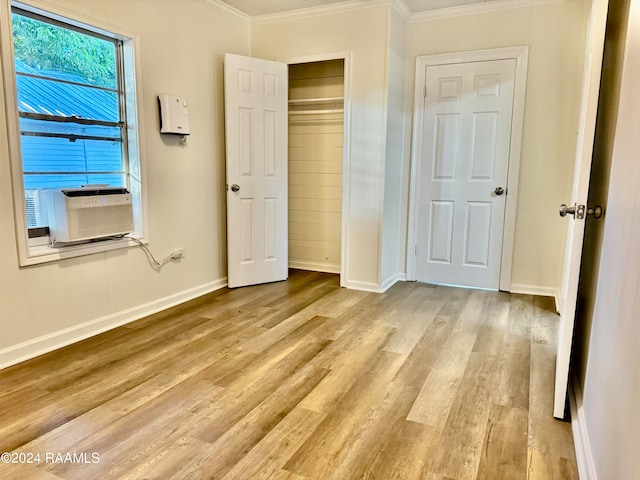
{"x": 28, "y": 252}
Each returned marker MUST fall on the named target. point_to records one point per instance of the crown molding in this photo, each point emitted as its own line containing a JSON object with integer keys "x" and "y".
{"x": 321, "y": 10}
{"x": 223, "y": 7}
{"x": 488, "y": 6}
{"x": 398, "y": 5}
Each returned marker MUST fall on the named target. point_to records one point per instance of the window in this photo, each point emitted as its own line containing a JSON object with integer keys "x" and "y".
{"x": 73, "y": 85}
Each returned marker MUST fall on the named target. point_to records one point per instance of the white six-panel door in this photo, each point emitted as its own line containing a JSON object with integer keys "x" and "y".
{"x": 256, "y": 112}
{"x": 465, "y": 156}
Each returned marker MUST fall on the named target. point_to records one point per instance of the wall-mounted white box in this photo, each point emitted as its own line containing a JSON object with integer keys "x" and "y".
{"x": 174, "y": 115}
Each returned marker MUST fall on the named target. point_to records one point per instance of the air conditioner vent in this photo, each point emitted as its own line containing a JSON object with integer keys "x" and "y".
{"x": 92, "y": 192}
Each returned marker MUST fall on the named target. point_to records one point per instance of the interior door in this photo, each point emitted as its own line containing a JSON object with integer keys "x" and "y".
{"x": 256, "y": 143}
{"x": 582, "y": 170}
{"x": 463, "y": 184}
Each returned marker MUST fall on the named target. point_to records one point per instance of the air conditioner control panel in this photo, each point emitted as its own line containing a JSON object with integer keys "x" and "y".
{"x": 99, "y": 201}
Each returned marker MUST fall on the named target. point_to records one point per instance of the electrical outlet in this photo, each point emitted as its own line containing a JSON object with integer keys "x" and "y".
{"x": 177, "y": 253}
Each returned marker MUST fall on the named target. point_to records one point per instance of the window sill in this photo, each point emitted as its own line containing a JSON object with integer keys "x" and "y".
{"x": 39, "y": 254}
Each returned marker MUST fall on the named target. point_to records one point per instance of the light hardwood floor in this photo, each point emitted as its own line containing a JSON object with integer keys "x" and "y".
{"x": 300, "y": 380}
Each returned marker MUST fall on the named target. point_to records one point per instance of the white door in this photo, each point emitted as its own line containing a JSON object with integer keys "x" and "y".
{"x": 582, "y": 171}
{"x": 464, "y": 165}
{"x": 256, "y": 142}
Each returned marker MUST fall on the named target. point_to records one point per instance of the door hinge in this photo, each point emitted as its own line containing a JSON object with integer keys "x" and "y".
{"x": 415, "y": 250}
{"x": 424, "y": 90}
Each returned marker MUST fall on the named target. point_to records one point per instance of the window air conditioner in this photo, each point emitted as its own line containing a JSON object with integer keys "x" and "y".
{"x": 36, "y": 215}
{"x": 77, "y": 214}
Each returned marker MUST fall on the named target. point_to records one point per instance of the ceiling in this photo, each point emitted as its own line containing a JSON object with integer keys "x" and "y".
{"x": 266, "y": 7}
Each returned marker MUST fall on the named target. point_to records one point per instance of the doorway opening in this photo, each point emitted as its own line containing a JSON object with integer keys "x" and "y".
{"x": 316, "y": 176}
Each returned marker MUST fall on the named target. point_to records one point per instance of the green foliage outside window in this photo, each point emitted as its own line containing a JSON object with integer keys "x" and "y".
{"x": 48, "y": 47}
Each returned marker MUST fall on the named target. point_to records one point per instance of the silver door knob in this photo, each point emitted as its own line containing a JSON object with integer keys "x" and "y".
{"x": 581, "y": 211}
{"x": 499, "y": 191}
{"x": 595, "y": 211}
{"x": 235, "y": 187}
{"x": 564, "y": 210}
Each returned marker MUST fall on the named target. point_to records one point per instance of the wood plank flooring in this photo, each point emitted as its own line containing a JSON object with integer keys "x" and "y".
{"x": 299, "y": 380}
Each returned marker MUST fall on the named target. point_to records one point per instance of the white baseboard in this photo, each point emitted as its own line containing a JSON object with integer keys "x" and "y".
{"x": 315, "y": 266}
{"x": 538, "y": 290}
{"x": 364, "y": 286}
{"x": 52, "y": 341}
{"x": 584, "y": 457}
{"x": 392, "y": 280}
{"x": 374, "y": 287}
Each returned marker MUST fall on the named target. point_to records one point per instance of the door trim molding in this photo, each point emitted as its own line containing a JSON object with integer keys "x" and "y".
{"x": 346, "y": 56}
{"x": 521, "y": 55}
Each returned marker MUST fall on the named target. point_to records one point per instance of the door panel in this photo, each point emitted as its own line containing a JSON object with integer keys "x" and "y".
{"x": 485, "y": 131}
{"x": 466, "y": 140}
{"x": 441, "y": 231}
{"x": 256, "y": 140}
{"x": 446, "y": 146}
{"x": 478, "y": 233}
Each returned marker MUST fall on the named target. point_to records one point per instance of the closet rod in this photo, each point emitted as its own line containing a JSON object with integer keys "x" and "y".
{"x": 315, "y": 120}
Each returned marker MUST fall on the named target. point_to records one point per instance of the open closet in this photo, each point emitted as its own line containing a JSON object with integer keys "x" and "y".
{"x": 316, "y": 133}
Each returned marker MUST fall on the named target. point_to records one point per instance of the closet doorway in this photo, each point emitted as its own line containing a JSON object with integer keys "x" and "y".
{"x": 318, "y": 155}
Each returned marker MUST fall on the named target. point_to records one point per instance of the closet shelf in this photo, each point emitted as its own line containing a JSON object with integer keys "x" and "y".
{"x": 316, "y": 112}
{"x": 315, "y": 101}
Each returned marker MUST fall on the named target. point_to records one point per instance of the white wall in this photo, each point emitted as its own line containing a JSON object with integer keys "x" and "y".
{"x": 394, "y": 220}
{"x": 185, "y": 185}
{"x": 363, "y": 33}
{"x": 555, "y": 33}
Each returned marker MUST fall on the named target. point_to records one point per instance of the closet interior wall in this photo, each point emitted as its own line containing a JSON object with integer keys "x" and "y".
{"x": 316, "y": 133}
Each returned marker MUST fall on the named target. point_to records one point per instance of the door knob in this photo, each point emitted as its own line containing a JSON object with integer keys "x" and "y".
{"x": 580, "y": 211}
{"x": 564, "y": 210}
{"x": 235, "y": 187}
{"x": 595, "y": 211}
{"x": 499, "y": 191}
